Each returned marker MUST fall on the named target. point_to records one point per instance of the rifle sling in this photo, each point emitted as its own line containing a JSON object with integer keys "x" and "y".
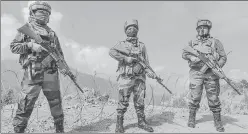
{"x": 48, "y": 59}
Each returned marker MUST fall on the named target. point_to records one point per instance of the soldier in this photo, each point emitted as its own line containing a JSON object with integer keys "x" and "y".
{"x": 36, "y": 76}
{"x": 213, "y": 47}
{"x": 131, "y": 76}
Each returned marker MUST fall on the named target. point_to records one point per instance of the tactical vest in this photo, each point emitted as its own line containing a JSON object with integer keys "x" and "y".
{"x": 34, "y": 61}
{"x": 207, "y": 47}
{"x": 133, "y": 69}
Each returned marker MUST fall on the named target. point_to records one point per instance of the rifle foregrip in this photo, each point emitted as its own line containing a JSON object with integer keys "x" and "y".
{"x": 204, "y": 68}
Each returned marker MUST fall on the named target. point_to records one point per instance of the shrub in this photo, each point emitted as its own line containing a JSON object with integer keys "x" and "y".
{"x": 180, "y": 102}
{"x": 8, "y": 97}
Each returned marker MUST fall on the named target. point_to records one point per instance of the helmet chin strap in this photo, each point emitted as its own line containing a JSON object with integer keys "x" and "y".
{"x": 204, "y": 35}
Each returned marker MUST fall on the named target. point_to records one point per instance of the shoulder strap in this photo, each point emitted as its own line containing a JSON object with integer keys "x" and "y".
{"x": 213, "y": 43}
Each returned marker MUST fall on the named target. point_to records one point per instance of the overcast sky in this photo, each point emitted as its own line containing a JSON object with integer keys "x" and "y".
{"x": 87, "y": 30}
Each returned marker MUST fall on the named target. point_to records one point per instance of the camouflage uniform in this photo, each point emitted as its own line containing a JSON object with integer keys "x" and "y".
{"x": 208, "y": 79}
{"x": 129, "y": 81}
{"x": 36, "y": 76}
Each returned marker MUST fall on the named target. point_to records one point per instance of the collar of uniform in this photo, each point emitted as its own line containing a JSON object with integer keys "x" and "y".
{"x": 203, "y": 38}
{"x": 41, "y": 29}
{"x": 133, "y": 40}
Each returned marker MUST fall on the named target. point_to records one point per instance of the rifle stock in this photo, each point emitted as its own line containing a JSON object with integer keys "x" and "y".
{"x": 217, "y": 70}
{"x": 53, "y": 52}
{"x": 27, "y": 31}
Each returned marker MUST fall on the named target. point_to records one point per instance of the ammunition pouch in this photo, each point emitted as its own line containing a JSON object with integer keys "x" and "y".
{"x": 26, "y": 61}
{"x": 131, "y": 70}
{"x": 37, "y": 64}
{"x": 208, "y": 52}
{"x": 138, "y": 69}
{"x": 34, "y": 68}
{"x": 49, "y": 64}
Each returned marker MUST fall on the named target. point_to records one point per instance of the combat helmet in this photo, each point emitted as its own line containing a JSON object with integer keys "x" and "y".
{"x": 207, "y": 23}
{"x": 132, "y": 22}
{"x": 40, "y": 5}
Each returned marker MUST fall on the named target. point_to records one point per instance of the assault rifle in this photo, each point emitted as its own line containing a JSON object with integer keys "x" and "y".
{"x": 216, "y": 69}
{"x": 141, "y": 61}
{"x": 54, "y": 54}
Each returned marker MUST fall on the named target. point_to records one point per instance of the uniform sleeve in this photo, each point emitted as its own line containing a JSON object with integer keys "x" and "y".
{"x": 145, "y": 55}
{"x": 116, "y": 54}
{"x": 58, "y": 45}
{"x": 186, "y": 55}
{"x": 18, "y": 45}
{"x": 221, "y": 51}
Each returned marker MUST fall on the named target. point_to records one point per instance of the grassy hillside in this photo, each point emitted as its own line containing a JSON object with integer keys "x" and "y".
{"x": 11, "y": 77}
{"x": 154, "y": 96}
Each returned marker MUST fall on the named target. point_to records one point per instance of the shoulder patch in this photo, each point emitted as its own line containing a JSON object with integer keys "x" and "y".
{"x": 141, "y": 44}
{"x": 120, "y": 43}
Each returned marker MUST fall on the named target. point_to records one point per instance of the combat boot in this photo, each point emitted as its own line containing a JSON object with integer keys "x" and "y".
{"x": 19, "y": 129}
{"x": 119, "y": 124}
{"x": 191, "y": 120}
{"x": 142, "y": 123}
{"x": 59, "y": 126}
{"x": 218, "y": 122}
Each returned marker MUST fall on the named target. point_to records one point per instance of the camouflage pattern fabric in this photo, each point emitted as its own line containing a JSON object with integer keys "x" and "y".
{"x": 126, "y": 87}
{"x": 208, "y": 80}
{"x": 128, "y": 82}
{"x": 211, "y": 84}
{"x": 35, "y": 78}
{"x": 29, "y": 94}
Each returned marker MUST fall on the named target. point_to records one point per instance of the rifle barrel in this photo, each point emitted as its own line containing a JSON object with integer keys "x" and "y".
{"x": 228, "y": 81}
{"x": 216, "y": 70}
{"x": 164, "y": 86}
{"x": 78, "y": 86}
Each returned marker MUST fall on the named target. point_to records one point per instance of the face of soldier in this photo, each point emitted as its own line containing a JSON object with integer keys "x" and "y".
{"x": 203, "y": 31}
{"x": 131, "y": 31}
{"x": 42, "y": 16}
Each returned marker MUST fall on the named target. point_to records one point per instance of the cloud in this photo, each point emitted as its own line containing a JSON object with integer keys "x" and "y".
{"x": 237, "y": 74}
{"x": 55, "y": 18}
{"x": 96, "y": 58}
{"x": 77, "y": 54}
{"x": 9, "y": 25}
{"x": 159, "y": 68}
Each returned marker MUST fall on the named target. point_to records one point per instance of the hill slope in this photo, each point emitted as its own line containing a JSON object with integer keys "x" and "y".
{"x": 84, "y": 80}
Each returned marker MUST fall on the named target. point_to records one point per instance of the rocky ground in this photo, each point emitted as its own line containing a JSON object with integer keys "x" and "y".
{"x": 100, "y": 117}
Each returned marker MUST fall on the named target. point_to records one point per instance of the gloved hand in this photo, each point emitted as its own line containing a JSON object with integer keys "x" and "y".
{"x": 194, "y": 59}
{"x": 36, "y": 47}
{"x": 130, "y": 59}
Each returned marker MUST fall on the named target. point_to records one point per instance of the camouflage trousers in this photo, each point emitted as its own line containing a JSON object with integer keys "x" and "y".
{"x": 126, "y": 87}
{"x": 211, "y": 83}
{"x": 31, "y": 88}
